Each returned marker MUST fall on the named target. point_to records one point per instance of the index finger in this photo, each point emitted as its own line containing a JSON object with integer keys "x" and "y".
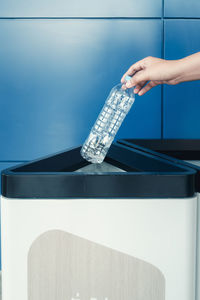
{"x": 132, "y": 70}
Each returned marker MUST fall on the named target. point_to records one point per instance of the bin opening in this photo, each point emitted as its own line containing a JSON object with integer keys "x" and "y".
{"x": 104, "y": 167}
{"x": 118, "y": 160}
{"x": 125, "y": 173}
{"x": 72, "y": 161}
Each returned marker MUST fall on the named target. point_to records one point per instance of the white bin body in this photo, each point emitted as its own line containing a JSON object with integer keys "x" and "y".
{"x": 198, "y": 250}
{"x": 197, "y": 163}
{"x": 156, "y": 234}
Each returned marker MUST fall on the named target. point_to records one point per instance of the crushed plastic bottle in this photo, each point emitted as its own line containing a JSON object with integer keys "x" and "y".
{"x": 103, "y": 132}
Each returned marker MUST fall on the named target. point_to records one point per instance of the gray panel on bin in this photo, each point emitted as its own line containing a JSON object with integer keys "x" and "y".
{"x": 62, "y": 266}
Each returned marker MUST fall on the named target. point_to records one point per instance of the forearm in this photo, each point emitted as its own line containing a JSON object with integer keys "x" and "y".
{"x": 189, "y": 68}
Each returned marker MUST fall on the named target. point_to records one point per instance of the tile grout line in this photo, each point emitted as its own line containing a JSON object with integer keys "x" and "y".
{"x": 79, "y": 18}
{"x": 102, "y": 18}
{"x": 162, "y": 55}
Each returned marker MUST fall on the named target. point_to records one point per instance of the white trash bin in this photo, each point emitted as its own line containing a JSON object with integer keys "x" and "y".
{"x": 181, "y": 152}
{"x": 122, "y": 230}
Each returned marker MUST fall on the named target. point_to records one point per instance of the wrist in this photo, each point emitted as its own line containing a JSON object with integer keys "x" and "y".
{"x": 189, "y": 68}
{"x": 180, "y": 70}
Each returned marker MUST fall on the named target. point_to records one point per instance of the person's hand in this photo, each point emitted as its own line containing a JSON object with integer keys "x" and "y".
{"x": 150, "y": 72}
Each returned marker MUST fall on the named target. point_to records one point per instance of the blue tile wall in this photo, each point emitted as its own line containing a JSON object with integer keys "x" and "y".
{"x": 87, "y": 8}
{"x": 182, "y": 8}
{"x": 182, "y": 102}
{"x": 59, "y": 60}
{"x": 56, "y": 74}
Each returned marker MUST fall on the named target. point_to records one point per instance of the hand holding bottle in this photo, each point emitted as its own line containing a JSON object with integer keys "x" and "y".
{"x": 151, "y": 71}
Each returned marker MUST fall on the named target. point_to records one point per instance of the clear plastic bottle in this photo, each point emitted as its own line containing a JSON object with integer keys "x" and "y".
{"x": 103, "y": 132}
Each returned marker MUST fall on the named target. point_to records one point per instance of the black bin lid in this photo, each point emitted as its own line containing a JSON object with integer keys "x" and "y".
{"x": 128, "y": 172}
{"x": 178, "y": 151}
{"x": 187, "y": 149}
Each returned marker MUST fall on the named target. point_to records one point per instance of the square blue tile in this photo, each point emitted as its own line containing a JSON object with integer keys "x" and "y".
{"x": 182, "y": 8}
{"x": 56, "y": 74}
{"x": 182, "y": 102}
{"x": 87, "y": 8}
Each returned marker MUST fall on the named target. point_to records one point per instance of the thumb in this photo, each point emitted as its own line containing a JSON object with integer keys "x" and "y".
{"x": 137, "y": 79}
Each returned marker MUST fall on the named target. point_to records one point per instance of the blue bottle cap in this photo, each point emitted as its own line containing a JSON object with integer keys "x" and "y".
{"x": 127, "y": 78}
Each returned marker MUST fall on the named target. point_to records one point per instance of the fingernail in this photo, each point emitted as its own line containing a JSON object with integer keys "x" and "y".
{"x": 135, "y": 91}
{"x": 128, "y": 84}
{"x": 140, "y": 93}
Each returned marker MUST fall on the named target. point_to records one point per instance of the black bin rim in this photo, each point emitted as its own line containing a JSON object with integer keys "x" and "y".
{"x": 179, "y": 151}
{"x": 146, "y": 176}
